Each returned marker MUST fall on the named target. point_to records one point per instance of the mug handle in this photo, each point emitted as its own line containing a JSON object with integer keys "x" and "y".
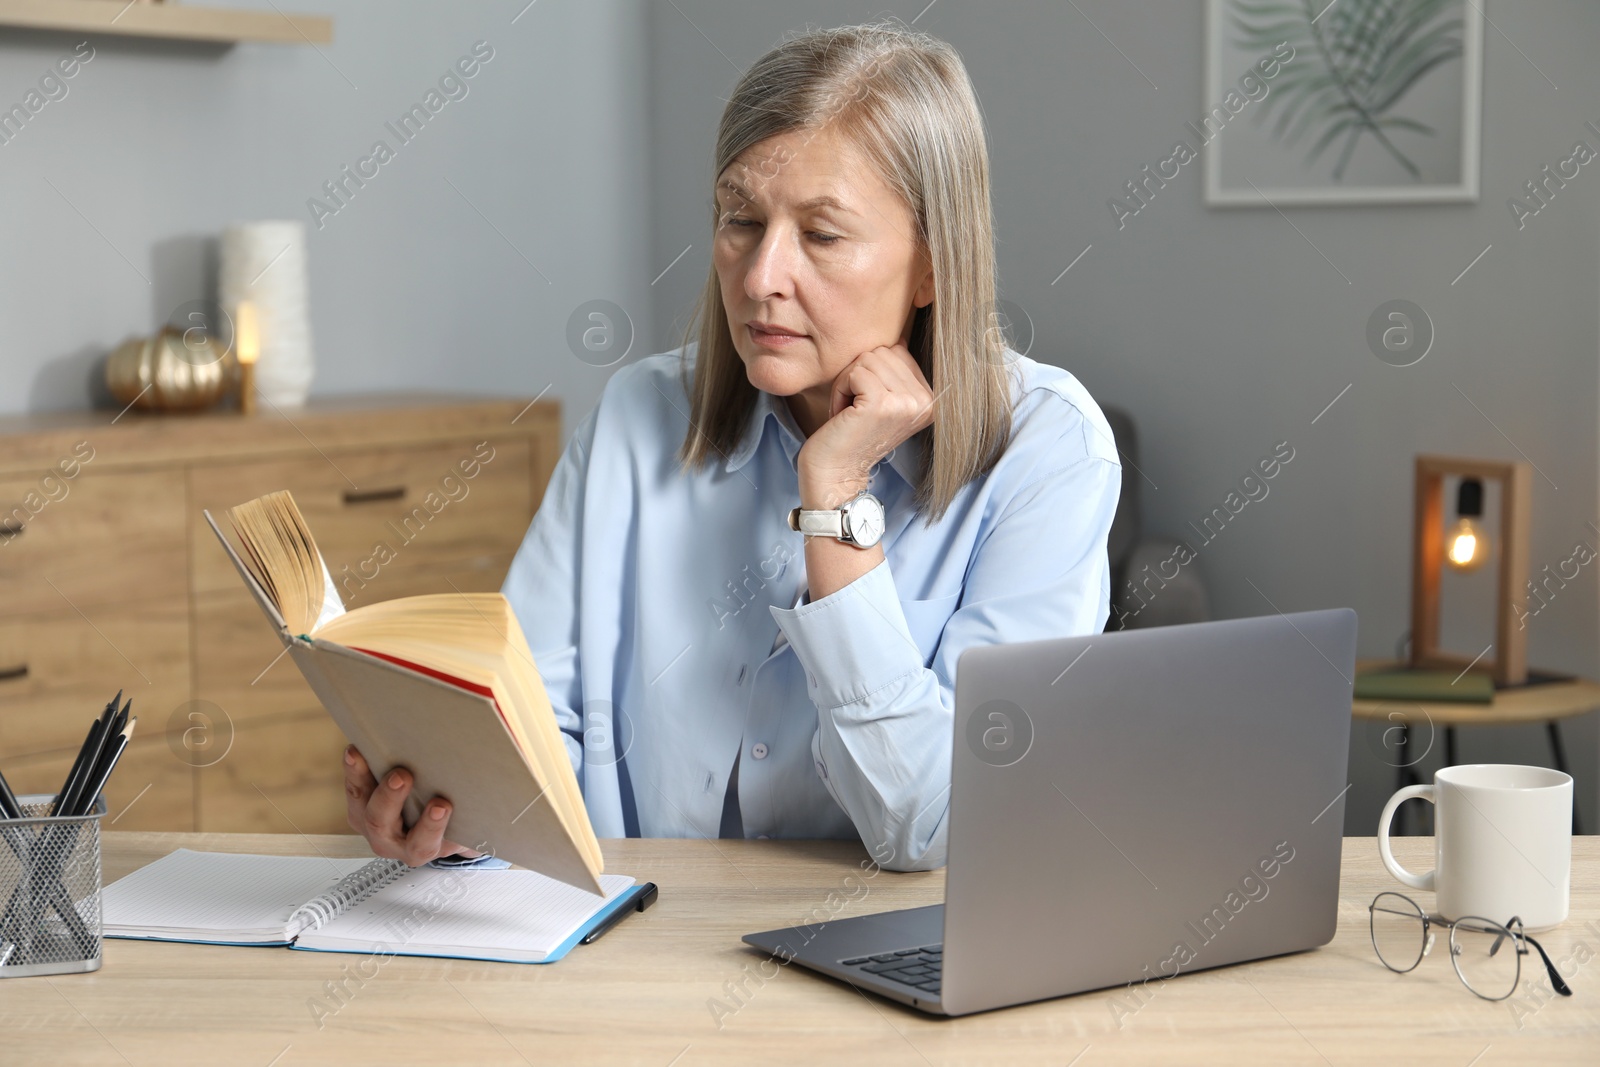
{"x": 1405, "y": 877}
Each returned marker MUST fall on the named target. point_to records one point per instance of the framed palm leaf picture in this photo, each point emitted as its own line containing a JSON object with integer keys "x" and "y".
{"x": 1341, "y": 101}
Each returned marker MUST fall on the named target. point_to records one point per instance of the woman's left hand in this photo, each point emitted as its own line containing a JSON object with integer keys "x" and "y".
{"x": 879, "y": 400}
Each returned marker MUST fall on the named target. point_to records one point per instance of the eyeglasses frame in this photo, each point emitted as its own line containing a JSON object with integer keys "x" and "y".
{"x": 1512, "y": 929}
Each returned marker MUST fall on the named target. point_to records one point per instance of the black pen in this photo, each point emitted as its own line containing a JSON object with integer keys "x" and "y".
{"x": 641, "y": 898}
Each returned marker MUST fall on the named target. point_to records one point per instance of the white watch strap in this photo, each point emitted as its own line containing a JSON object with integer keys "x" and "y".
{"x": 822, "y": 523}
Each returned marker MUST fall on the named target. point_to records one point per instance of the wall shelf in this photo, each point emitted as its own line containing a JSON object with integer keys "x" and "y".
{"x": 168, "y": 20}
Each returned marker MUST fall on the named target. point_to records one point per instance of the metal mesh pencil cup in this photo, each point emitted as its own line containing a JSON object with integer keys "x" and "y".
{"x": 50, "y": 883}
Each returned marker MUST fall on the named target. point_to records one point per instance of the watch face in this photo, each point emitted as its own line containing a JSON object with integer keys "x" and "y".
{"x": 865, "y": 513}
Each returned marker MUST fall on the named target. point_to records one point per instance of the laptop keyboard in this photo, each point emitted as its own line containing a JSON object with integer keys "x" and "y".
{"x": 919, "y": 968}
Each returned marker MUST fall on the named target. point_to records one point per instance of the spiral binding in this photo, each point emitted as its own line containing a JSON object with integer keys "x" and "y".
{"x": 350, "y": 890}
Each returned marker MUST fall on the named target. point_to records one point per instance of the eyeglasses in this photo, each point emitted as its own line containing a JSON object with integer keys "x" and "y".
{"x": 1402, "y": 934}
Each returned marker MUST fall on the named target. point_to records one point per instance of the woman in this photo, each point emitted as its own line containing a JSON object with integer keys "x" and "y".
{"x": 717, "y": 672}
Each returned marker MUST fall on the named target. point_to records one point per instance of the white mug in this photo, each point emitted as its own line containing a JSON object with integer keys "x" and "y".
{"x": 1502, "y": 842}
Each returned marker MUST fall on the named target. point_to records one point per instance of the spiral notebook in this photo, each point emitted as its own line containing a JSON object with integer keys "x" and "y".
{"x": 355, "y": 905}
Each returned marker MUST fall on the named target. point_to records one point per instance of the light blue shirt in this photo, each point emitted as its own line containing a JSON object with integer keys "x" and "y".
{"x": 661, "y": 609}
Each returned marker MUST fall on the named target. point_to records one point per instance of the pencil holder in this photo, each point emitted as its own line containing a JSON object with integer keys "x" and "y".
{"x": 50, "y": 881}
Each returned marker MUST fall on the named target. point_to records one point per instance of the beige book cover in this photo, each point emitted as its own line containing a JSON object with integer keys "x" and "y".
{"x": 443, "y": 685}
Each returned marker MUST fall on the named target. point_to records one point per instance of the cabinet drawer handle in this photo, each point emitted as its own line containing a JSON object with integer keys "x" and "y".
{"x": 370, "y": 496}
{"x": 12, "y": 528}
{"x": 8, "y": 673}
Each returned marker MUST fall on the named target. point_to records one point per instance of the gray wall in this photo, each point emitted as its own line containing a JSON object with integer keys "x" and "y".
{"x": 586, "y": 142}
{"x": 1224, "y": 330}
{"x": 160, "y": 145}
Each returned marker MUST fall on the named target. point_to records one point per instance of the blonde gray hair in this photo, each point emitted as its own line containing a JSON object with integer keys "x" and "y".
{"x": 904, "y": 99}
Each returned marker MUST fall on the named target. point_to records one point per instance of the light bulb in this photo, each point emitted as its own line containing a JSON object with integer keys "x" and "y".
{"x": 1466, "y": 547}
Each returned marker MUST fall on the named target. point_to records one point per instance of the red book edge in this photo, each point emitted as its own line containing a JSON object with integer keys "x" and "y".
{"x": 448, "y": 679}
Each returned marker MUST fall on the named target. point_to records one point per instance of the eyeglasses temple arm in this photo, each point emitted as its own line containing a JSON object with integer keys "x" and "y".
{"x": 1556, "y": 980}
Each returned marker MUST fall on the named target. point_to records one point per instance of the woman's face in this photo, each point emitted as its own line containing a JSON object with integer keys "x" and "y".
{"x": 845, "y": 275}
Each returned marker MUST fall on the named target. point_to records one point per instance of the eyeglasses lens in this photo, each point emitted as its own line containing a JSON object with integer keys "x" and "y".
{"x": 1485, "y": 956}
{"x": 1397, "y": 931}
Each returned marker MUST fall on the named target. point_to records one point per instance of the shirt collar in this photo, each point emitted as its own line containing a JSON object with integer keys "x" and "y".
{"x": 766, "y": 406}
{"x": 905, "y": 459}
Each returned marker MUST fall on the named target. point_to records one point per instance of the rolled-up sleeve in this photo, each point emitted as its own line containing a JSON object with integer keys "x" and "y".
{"x": 884, "y": 713}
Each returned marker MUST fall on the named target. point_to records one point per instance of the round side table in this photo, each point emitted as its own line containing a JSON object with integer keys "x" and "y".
{"x": 1546, "y": 702}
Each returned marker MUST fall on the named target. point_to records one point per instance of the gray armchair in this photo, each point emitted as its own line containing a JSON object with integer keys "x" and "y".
{"x": 1149, "y": 587}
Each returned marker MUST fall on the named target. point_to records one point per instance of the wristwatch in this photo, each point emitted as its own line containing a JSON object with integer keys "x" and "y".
{"x": 858, "y": 522}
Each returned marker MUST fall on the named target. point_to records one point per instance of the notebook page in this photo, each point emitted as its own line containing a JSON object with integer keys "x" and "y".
{"x": 218, "y": 895}
{"x": 470, "y": 913}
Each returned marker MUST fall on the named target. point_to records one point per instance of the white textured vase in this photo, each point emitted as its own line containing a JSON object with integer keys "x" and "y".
{"x": 265, "y": 263}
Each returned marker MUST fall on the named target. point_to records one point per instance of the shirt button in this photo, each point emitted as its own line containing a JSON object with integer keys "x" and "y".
{"x": 759, "y": 750}
{"x": 822, "y": 772}
{"x": 743, "y": 668}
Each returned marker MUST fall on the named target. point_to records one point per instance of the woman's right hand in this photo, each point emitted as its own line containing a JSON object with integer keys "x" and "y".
{"x": 375, "y": 812}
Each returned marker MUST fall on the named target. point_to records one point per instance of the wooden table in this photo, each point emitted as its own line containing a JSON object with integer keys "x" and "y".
{"x": 645, "y": 993}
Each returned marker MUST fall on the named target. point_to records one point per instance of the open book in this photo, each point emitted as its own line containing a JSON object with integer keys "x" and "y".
{"x": 353, "y": 905}
{"x": 443, "y": 685}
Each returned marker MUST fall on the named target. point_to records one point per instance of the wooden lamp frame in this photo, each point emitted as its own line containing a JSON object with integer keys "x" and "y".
{"x": 1510, "y": 663}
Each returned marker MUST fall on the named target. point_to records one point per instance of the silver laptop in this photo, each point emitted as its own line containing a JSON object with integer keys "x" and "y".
{"x": 1125, "y": 807}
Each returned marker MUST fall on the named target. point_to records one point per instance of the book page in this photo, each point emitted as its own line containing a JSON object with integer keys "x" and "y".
{"x": 218, "y": 895}
{"x": 332, "y": 603}
{"x": 469, "y": 913}
{"x": 285, "y": 555}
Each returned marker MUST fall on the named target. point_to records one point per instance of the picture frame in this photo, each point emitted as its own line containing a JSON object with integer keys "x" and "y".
{"x": 1396, "y": 118}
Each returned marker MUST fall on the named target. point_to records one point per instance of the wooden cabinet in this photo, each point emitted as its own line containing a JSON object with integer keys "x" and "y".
{"x": 60, "y": 662}
{"x": 280, "y": 774}
{"x": 100, "y": 537}
{"x": 112, "y": 580}
{"x": 381, "y": 514}
{"x": 151, "y": 787}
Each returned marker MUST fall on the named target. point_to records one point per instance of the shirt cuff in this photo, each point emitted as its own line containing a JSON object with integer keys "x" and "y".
{"x": 852, "y": 642}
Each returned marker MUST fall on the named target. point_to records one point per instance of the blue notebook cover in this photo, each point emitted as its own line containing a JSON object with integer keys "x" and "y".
{"x": 625, "y": 899}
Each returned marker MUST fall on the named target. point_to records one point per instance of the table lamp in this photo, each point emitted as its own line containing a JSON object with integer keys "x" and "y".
{"x": 1463, "y": 546}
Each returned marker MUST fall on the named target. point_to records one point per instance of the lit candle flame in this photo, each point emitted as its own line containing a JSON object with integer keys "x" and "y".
{"x": 247, "y": 337}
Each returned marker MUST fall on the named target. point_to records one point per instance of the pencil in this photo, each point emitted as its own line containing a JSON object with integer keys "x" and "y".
{"x": 108, "y": 764}
{"x": 8, "y": 800}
